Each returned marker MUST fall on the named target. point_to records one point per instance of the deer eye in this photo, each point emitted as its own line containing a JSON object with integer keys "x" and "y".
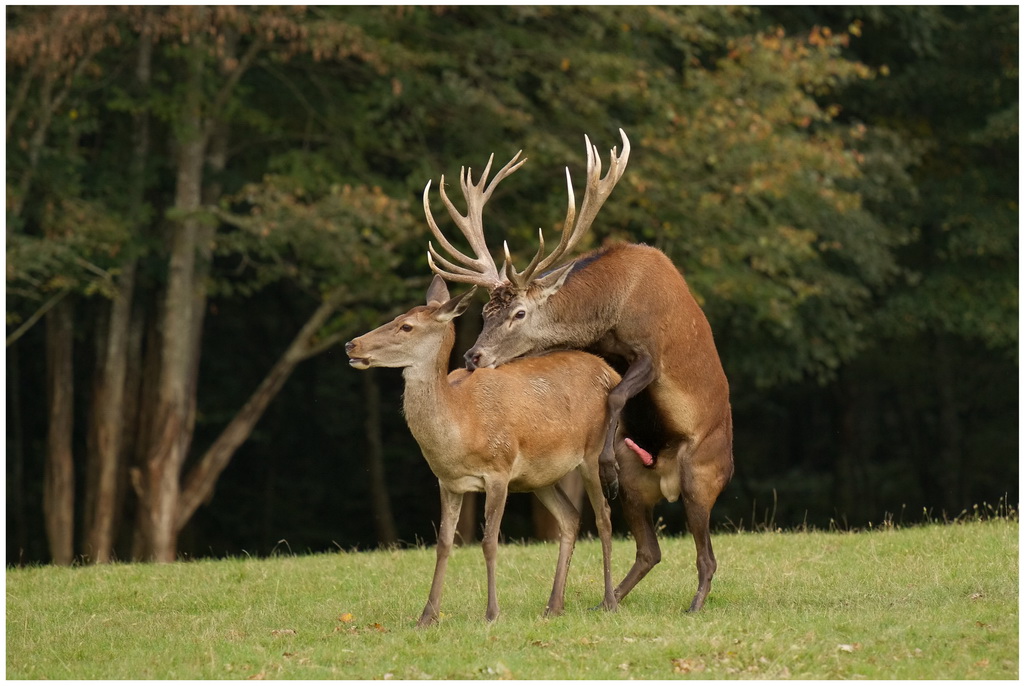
{"x": 520, "y": 314}
{"x": 406, "y": 327}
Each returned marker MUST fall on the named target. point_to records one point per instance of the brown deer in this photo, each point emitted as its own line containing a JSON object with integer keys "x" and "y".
{"x": 627, "y": 302}
{"x": 520, "y": 427}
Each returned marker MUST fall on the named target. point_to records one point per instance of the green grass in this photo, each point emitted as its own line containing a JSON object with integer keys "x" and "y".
{"x": 924, "y": 602}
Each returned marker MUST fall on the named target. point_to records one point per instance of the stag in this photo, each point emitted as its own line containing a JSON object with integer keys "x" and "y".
{"x": 520, "y": 427}
{"x": 627, "y": 302}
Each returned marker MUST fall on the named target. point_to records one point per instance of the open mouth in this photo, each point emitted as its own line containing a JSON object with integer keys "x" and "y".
{"x": 359, "y": 362}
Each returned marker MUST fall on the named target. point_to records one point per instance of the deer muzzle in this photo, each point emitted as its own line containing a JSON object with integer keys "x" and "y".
{"x": 475, "y": 358}
{"x": 355, "y": 360}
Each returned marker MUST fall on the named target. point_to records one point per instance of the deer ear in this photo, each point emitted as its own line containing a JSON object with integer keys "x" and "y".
{"x": 549, "y": 284}
{"x": 437, "y": 294}
{"x": 454, "y": 307}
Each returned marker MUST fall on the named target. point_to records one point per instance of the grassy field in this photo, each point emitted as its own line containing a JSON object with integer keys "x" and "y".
{"x": 924, "y": 602}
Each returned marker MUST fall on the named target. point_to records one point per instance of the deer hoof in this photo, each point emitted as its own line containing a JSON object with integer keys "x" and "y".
{"x": 610, "y": 488}
{"x": 428, "y": 617}
{"x": 608, "y": 472}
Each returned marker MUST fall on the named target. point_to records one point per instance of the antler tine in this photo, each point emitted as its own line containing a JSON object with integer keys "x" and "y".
{"x": 471, "y": 225}
{"x": 596, "y": 193}
{"x": 479, "y": 270}
{"x": 452, "y": 250}
{"x": 509, "y": 271}
{"x": 448, "y": 265}
{"x": 510, "y": 167}
{"x": 563, "y": 243}
{"x": 454, "y": 272}
{"x": 520, "y": 279}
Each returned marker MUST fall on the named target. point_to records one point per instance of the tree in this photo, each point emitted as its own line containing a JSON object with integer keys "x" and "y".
{"x": 949, "y": 92}
{"x": 50, "y": 52}
{"x": 166, "y": 503}
{"x": 211, "y": 51}
{"x": 961, "y": 287}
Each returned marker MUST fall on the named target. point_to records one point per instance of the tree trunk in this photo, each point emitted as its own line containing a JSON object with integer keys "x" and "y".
{"x": 215, "y": 135}
{"x": 158, "y": 481}
{"x": 216, "y": 160}
{"x": 106, "y": 464}
{"x": 16, "y": 454}
{"x": 382, "y": 516}
{"x": 104, "y": 422}
{"x": 143, "y": 386}
{"x": 116, "y": 409}
{"x": 59, "y": 476}
{"x": 130, "y": 440}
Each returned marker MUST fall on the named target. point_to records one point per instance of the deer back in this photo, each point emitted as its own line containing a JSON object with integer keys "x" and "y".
{"x": 618, "y": 301}
{"x": 533, "y": 419}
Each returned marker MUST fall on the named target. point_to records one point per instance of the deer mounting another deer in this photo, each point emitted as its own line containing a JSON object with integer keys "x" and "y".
{"x": 520, "y": 427}
{"x": 629, "y": 303}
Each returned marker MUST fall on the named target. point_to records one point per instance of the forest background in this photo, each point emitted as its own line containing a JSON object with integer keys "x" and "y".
{"x": 203, "y": 202}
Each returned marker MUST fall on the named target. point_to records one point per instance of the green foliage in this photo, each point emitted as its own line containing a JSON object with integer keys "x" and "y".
{"x": 79, "y": 250}
{"x": 921, "y": 603}
{"x": 739, "y": 170}
{"x": 758, "y": 191}
{"x": 955, "y": 101}
{"x": 789, "y": 216}
{"x": 342, "y": 236}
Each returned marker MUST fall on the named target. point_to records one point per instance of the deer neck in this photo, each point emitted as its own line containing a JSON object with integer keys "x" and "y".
{"x": 429, "y": 401}
{"x": 582, "y": 310}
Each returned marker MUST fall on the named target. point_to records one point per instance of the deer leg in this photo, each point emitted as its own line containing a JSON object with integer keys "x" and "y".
{"x": 703, "y": 475}
{"x": 697, "y": 519}
{"x": 568, "y": 518}
{"x": 451, "y": 505}
{"x": 640, "y": 519}
{"x": 639, "y": 375}
{"x": 603, "y": 518}
{"x": 494, "y": 508}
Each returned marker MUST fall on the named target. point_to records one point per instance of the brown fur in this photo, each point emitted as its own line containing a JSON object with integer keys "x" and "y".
{"x": 521, "y": 427}
{"x": 629, "y": 302}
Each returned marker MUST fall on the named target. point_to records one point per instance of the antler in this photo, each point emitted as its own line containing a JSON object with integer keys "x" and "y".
{"x": 479, "y": 270}
{"x": 597, "y": 192}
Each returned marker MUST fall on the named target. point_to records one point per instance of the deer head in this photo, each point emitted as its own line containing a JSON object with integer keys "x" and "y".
{"x": 516, "y": 321}
{"x": 414, "y": 337}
